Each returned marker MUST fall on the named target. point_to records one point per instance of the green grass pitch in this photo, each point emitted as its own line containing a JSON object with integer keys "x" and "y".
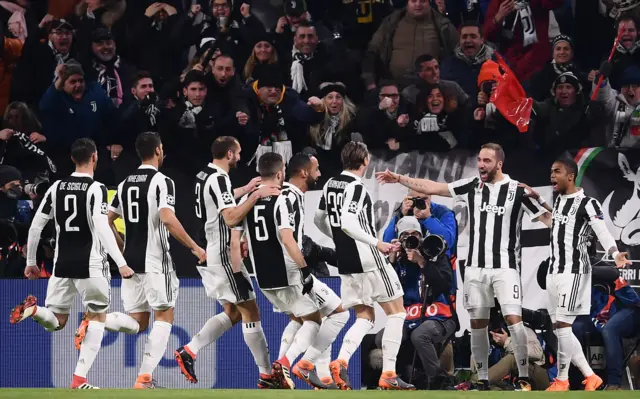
{"x": 261, "y": 394}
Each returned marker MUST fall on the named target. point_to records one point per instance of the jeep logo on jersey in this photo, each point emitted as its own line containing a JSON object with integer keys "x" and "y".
{"x": 227, "y": 198}
{"x": 560, "y": 218}
{"x": 104, "y": 208}
{"x": 353, "y": 207}
{"x": 499, "y": 210}
{"x": 171, "y": 200}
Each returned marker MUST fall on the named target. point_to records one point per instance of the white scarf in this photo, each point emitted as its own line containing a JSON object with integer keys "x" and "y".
{"x": 60, "y": 58}
{"x": 326, "y": 140}
{"x": 188, "y": 119}
{"x": 525, "y": 16}
{"x": 297, "y": 70}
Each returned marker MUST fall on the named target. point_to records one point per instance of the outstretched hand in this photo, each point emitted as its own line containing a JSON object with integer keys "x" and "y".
{"x": 387, "y": 177}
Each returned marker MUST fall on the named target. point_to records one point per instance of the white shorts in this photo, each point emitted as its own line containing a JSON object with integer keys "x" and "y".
{"x": 220, "y": 285}
{"x": 290, "y": 300}
{"x": 146, "y": 291}
{"x": 327, "y": 300}
{"x": 481, "y": 285}
{"x": 569, "y": 295}
{"x": 95, "y": 293}
{"x": 376, "y": 286}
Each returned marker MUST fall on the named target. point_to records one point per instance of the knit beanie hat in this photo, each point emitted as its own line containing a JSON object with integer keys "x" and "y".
{"x": 569, "y": 78}
{"x": 72, "y": 67}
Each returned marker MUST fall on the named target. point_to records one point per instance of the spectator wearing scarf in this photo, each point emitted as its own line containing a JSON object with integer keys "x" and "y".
{"x": 522, "y": 33}
{"x": 106, "y": 67}
{"x": 563, "y": 61}
{"x": 627, "y": 52}
{"x": 278, "y": 120}
{"x": 35, "y": 71}
{"x": 464, "y": 65}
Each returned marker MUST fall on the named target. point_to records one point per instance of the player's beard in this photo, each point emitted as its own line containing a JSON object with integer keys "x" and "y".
{"x": 160, "y": 160}
{"x": 233, "y": 163}
{"x": 311, "y": 183}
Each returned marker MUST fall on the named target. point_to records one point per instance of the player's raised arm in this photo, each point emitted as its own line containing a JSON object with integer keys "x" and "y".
{"x": 320, "y": 218}
{"x": 233, "y": 215}
{"x": 596, "y": 220}
{"x": 105, "y": 234}
{"x": 423, "y": 186}
{"x": 536, "y": 206}
{"x": 169, "y": 219}
{"x": 42, "y": 216}
{"x": 244, "y": 190}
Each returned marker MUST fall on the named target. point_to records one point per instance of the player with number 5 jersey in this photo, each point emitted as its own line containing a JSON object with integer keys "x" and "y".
{"x": 145, "y": 201}
{"x": 78, "y": 206}
{"x": 496, "y": 205}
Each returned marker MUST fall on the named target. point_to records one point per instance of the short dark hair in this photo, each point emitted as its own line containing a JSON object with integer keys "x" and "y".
{"x": 299, "y": 162}
{"x": 82, "y": 150}
{"x": 306, "y": 24}
{"x": 353, "y": 155}
{"x": 387, "y": 82}
{"x": 194, "y": 76}
{"x": 471, "y": 24}
{"x": 422, "y": 58}
{"x": 270, "y": 164}
{"x": 224, "y": 55}
{"x": 627, "y": 18}
{"x": 146, "y": 144}
{"x": 497, "y": 148}
{"x": 222, "y": 145}
{"x": 569, "y": 164}
{"x": 138, "y": 77}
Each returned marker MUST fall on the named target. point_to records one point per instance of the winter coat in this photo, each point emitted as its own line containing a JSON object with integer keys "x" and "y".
{"x": 620, "y": 117}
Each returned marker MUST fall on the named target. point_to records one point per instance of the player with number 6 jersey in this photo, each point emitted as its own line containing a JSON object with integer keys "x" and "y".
{"x": 145, "y": 201}
{"x": 78, "y": 206}
{"x": 215, "y": 206}
{"x": 346, "y": 214}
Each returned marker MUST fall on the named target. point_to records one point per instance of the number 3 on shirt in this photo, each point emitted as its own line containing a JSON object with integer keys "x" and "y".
{"x": 334, "y": 201}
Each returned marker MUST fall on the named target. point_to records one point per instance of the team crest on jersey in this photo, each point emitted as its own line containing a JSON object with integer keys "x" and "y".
{"x": 511, "y": 194}
{"x": 171, "y": 200}
{"x": 94, "y": 106}
{"x": 353, "y": 207}
{"x": 227, "y": 198}
{"x": 292, "y": 219}
{"x": 104, "y": 209}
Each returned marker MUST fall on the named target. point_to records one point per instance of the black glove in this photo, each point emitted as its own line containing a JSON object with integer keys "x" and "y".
{"x": 605, "y": 69}
{"x": 149, "y": 99}
{"x": 307, "y": 280}
{"x": 244, "y": 286}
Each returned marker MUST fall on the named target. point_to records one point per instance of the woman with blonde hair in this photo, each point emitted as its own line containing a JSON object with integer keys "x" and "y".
{"x": 263, "y": 52}
{"x": 329, "y": 136}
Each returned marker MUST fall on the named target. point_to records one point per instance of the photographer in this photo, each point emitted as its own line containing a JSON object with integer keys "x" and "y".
{"x": 434, "y": 219}
{"x": 427, "y": 282}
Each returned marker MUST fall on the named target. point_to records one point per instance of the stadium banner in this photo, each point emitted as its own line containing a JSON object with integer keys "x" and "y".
{"x": 34, "y": 358}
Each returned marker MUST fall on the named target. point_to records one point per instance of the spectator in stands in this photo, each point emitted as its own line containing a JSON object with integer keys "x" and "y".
{"x": 330, "y": 135}
{"x": 94, "y": 14}
{"x": 104, "y": 65}
{"x": 22, "y": 142}
{"x": 142, "y": 114}
{"x": 223, "y": 89}
{"x": 521, "y": 30}
{"x": 359, "y": 21}
{"x": 427, "y": 71}
{"x": 191, "y": 127}
{"x": 151, "y": 46}
{"x": 623, "y": 123}
{"x": 313, "y": 62}
{"x": 295, "y": 13}
{"x": 383, "y": 124}
{"x": 440, "y": 321}
{"x": 627, "y": 52}
{"x": 36, "y": 69}
{"x": 437, "y": 123}
{"x": 565, "y": 121}
{"x": 12, "y": 40}
{"x": 235, "y": 36}
{"x": 434, "y": 219}
{"x": 403, "y": 36}
{"x": 464, "y": 65}
{"x": 273, "y": 118}
{"x": 615, "y": 315}
{"x": 71, "y": 110}
{"x": 264, "y": 52}
{"x": 563, "y": 61}
{"x": 489, "y": 125}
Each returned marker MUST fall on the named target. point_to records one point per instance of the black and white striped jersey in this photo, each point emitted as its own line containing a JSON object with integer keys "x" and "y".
{"x": 78, "y": 205}
{"x": 495, "y": 220}
{"x": 138, "y": 201}
{"x": 296, "y": 199}
{"x": 213, "y": 194}
{"x": 572, "y": 231}
{"x": 272, "y": 264}
{"x": 349, "y": 209}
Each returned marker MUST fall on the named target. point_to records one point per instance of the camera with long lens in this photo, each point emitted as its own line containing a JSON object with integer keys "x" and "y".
{"x": 410, "y": 242}
{"x": 39, "y": 186}
{"x": 433, "y": 246}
